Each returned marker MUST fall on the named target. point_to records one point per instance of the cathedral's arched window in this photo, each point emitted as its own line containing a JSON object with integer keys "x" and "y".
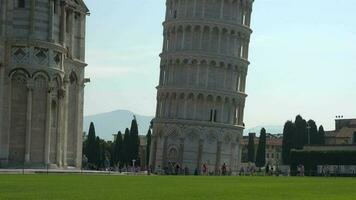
{"x": 21, "y": 3}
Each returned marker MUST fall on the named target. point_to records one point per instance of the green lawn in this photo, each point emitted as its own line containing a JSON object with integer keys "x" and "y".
{"x": 171, "y": 188}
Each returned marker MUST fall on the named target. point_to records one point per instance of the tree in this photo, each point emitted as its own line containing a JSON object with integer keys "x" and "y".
{"x": 261, "y": 151}
{"x": 251, "y": 148}
{"x": 313, "y": 132}
{"x": 126, "y": 148}
{"x": 98, "y": 153}
{"x": 134, "y": 141}
{"x": 117, "y": 152}
{"x": 300, "y": 133}
{"x": 287, "y": 144}
{"x": 148, "y": 146}
{"x": 296, "y": 136}
{"x": 91, "y": 145}
{"x": 321, "y": 135}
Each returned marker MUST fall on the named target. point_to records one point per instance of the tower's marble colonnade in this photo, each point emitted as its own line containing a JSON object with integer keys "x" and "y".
{"x": 201, "y": 92}
{"x": 42, "y": 47}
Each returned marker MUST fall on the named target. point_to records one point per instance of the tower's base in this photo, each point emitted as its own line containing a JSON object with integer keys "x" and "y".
{"x": 195, "y": 146}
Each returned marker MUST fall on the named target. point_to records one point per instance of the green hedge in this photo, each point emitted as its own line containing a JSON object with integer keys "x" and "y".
{"x": 311, "y": 159}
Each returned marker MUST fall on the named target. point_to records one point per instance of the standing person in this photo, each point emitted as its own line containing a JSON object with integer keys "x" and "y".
{"x": 177, "y": 170}
{"x": 223, "y": 169}
{"x": 267, "y": 170}
{"x": 205, "y": 169}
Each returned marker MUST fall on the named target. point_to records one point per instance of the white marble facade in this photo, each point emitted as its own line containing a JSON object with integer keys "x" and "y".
{"x": 201, "y": 93}
{"x": 42, "y": 51}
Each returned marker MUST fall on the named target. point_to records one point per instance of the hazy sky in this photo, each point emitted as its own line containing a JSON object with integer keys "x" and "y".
{"x": 302, "y": 53}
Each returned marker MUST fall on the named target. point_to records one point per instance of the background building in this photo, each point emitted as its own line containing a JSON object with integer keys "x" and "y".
{"x": 344, "y": 133}
{"x": 42, "y": 51}
{"x": 201, "y": 92}
{"x": 273, "y": 149}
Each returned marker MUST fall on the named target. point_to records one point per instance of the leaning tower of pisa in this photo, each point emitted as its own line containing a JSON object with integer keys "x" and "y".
{"x": 42, "y": 51}
{"x": 201, "y": 92}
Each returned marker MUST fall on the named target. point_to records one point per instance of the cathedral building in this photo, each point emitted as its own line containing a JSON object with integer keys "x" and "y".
{"x": 201, "y": 92}
{"x": 42, "y": 62}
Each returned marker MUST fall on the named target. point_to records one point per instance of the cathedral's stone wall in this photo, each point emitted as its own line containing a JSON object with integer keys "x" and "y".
{"x": 41, "y": 82}
{"x": 201, "y": 93}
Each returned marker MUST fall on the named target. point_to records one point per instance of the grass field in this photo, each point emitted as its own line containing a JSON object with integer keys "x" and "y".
{"x": 172, "y": 188}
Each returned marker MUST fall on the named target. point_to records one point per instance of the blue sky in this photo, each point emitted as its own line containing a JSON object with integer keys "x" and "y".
{"x": 302, "y": 53}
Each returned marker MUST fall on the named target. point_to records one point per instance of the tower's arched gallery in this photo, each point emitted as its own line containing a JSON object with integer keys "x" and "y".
{"x": 201, "y": 92}
{"x": 42, "y": 45}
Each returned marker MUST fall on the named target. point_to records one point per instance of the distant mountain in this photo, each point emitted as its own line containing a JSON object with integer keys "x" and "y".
{"x": 269, "y": 128}
{"x": 110, "y": 123}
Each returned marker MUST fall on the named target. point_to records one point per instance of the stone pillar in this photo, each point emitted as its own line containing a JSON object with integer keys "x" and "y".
{"x": 241, "y": 113}
{"x": 222, "y": 9}
{"x": 32, "y": 18}
{"x": 179, "y": 15}
{"x": 79, "y": 128}
{"x": 195, "y": 107}
{"x": 222, "y": 113}
{"x": 63, "y": 28}
{"x": 82, "y": 41}
{"x": 200, "y": 155}
{"x": 195, "y": 8}
{"x": 165, "y": 149}
{"x": 153, "y": 152}
{"x": 3, "y": 16}
{"x": 48, "y": 126}
{"x": 218, "y": 157}
{"x": 185, "y": 107}
{"x": 186, "y": 9}
{"x": 65, "y": 122}
{"x": 59, "y": 129}
{"x": 210, "y": 40}
{"x": 51, "y": 20}
{"x": 28, "y": 122}
{"x": 204, "y": 5}
{"x": 157, "y": 107}
{"x": 72, "y": 31}
{"x": 181, "y": 152}
{"x": 183, "y": 38}
{"x": 248, "y": 17}
{"x": 2, "y": 132}
{"x": 164, "y": 48}
{"x": 219, "y": 40}
{"x": 247, "y": 49}
{"x": 201, "y": 37}
{"x": 243, "y": 81}
{"x": 233, "y": 157}
{"x": 207, "y": 75}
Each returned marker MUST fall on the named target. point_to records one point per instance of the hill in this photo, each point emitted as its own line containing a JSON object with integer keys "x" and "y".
{"x": 269, "y": 128}
{"x": 110, "y": 123}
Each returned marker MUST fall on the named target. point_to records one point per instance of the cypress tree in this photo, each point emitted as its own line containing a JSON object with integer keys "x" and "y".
{"x": 91, "y": 145}
{"x": 251, "y": 148}
{"x": 148, "y": 146}
{"x": 321, "y": 135}
{"x": 98, "y": 153}
{"x": 313, "y": 132}
{"x": 126, "y": 148}
{"x": 117, "y": 152}
{"x": 300, "y": 133}
{"x": 134, "y": 141}
{"x": 287, "y": 144}
{"x": 261, "y": 151}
